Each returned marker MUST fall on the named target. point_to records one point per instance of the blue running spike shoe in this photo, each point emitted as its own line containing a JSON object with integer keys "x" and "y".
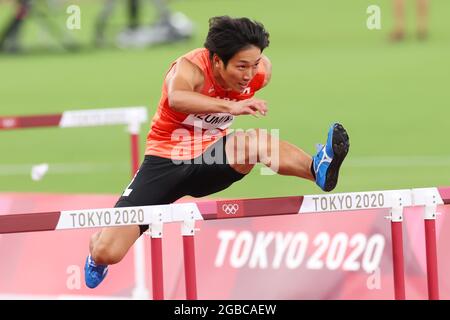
{"x": 93, "y": 273}
{"x": 328, "y": 160}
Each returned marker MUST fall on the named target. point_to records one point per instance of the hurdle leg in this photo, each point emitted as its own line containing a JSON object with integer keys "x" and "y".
{"x": 189, "y": 267}
{"x": 398, "y": 261}
{"x": 156, "y": 228}
{"x": 157, "y": 269}
{"x": 429, "y": 198}
{"x": 396, "y": 217}
{"x": 188, "y": 231}
{"x": 133, "y": 129}
{"x": 431, "y": 247}
{"x": 432, "y": 267}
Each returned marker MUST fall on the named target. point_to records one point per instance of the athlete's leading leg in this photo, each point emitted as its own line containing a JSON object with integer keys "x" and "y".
{"x": 245, "y": 149}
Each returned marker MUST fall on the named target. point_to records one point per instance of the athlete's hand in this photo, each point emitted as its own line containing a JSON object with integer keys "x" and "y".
{"x": 251, "y": 106}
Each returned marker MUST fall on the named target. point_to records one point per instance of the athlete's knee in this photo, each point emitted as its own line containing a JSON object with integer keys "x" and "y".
{"x": 250, "y": 147}
{"x": 105, "y": 253}
{"x": 260, "y": 145}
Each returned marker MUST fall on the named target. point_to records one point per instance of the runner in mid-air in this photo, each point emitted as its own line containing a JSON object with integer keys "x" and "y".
{"x": 189, "y": 149}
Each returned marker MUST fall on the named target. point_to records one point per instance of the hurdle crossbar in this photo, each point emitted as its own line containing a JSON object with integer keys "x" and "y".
{"x": 77, "y": 118}
{"x": 133, "y": 117}
{"x": 211, "y": 210}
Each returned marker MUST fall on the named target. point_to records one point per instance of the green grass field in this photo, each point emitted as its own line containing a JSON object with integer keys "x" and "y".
{"x": 394, "y": 99}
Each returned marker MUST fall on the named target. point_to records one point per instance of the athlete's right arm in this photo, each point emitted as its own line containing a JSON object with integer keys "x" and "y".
{"x": 185, "y": 79}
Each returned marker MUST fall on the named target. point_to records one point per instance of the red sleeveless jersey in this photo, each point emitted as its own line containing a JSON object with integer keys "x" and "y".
{"x": 181, "y": 136}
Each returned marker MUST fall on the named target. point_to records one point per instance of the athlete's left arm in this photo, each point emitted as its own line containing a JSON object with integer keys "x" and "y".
{"x": 268, "y": 67}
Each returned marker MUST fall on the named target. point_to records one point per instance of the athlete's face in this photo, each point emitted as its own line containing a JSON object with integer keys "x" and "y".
{"x": 241, "y": 68}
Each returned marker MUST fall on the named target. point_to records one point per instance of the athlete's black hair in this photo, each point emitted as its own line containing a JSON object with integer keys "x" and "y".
{"x": 227, "y": 36}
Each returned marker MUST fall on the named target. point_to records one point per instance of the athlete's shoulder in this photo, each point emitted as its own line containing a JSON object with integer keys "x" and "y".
{"x": 197, "y": 52}
{"x": 199, "y": 57}
{"x": 188, "y": 70}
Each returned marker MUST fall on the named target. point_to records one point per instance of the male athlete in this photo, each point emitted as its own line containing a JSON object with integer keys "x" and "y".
{"x": 189, "y": 149}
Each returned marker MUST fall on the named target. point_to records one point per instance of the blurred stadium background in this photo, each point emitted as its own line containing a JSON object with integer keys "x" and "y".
{"x": 393, "y": 98}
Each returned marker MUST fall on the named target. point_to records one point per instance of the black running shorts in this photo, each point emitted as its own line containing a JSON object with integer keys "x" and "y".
{"x": 163, "y": 181}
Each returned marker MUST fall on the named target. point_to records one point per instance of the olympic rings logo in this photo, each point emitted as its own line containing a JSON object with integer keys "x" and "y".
{"x": 230, "y": 208}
